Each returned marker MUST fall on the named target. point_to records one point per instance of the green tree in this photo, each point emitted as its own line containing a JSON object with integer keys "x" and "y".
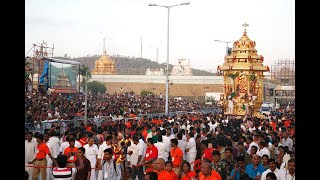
{"x": 145, "y": 93}
{"x": 96, "y": 87}
{"x": 82, "y": 71}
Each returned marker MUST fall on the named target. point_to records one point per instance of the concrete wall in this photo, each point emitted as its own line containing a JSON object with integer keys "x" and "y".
{"x": 187, "y": 87}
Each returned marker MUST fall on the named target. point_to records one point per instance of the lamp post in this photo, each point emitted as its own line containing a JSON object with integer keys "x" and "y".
{"x": 227, "y": 42}
{"x": 167, "y": 71}
{"x": 86, "y": 99}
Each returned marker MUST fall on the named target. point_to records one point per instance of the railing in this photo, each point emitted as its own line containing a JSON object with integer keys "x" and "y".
{"x": 40, "y": 127}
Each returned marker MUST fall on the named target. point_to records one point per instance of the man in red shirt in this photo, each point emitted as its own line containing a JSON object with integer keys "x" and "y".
{"x": 151, "y": 155}
{"x": 207, "y": 153}
{"x": 40, "y": 159}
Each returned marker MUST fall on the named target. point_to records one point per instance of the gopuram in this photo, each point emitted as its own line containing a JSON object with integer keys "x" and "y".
{"x": 104, "y": 66}
{"x": 243, "y": 78}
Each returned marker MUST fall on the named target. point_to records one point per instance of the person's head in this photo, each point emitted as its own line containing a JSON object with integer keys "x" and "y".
{"x": 168, "y": 166}
{"x": 107, "y": 154}
{"x": 186, "y": 167}
{"x": 241, "y": 161}
{"x": 249, "y": 140}
{"x": 29, "y": 136}
{"x": 62, "y": 161}
{"x": 206, "y": 168}
{"x": 159, "y": 138}
{"x": 254, "y": 149}
{"x": 272, "y": 164}
{"x": 160, "y": 163}
{"x": 174, "y": 142}
{"x": 108, "y": 139}
{"x": 228, "y": 152}
{"x": 285, "y": 134}
{"x": 149, "y": 142}
{"x": 271, "y": 176}
{"x": 72, "y": 142}
{"x": 255, "y": 159}
{"x": 281, "y": 150}
{"x": 292, "y": 166}
{"x": 81, "y": 151}
{"x": 151, "y": 176}
{"x": 240, "y": 146}
{"x": 90, "y": 141}
{"x": 46, "y": 137}
{"x": 216, "y": 156}
{"x": 135, "y": 138}
{"x": 204, "y": 144}
{"x": 179, "y": 136}
{"x": 39, "y": 138}
{"x": 265, "y": 159}
{"x": 190, "y": 135}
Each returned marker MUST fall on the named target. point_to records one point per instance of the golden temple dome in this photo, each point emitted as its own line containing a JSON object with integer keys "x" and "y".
{"x": 105, "y": 59}
{"x": 104, "y": 65}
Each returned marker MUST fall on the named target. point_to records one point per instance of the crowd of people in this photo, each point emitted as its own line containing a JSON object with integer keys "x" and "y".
{"x": 181, "y": 147}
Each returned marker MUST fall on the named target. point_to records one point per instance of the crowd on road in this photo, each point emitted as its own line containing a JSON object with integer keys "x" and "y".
{"x": 185, "y": 146}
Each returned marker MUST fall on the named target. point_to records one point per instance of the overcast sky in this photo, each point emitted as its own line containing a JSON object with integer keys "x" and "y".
{"x": 77, "y": 28}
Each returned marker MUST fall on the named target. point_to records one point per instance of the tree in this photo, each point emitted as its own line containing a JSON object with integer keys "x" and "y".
{"x": 145, "y": 93}
{"x": 82, "y": 71}
{"x": 96, "y": 87}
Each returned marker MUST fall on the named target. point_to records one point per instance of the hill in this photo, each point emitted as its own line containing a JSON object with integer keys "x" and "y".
{"x": 132, "y": 65}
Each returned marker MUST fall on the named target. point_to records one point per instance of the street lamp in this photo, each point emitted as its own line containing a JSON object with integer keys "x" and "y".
{"x": 227, "y": 42}
{"x": 167, "y": 72}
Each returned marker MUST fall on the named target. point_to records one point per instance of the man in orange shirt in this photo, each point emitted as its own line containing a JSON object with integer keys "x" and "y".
{"x": 70, "y": 152}
{"x": 159, "y": 169}
{"x": 176, "y": 156}
{"x": 40, "y": 159}
{"x": 213, "y": 172}
{"x": 168, "y": 167}
{"x": 206, "y": 172}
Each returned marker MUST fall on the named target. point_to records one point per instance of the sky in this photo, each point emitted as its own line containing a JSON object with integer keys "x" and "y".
{"x": 77, "y": 28}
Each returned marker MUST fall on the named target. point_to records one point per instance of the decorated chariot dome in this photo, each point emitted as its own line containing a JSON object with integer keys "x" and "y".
{"x": 243, "y": 77}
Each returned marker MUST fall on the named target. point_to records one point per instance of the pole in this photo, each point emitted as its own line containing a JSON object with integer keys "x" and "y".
{"x": 86, "y": 100}
{"x": 141, "y": 47}
{"x": 167, "y": 73}
{"x": 79, "y": 77}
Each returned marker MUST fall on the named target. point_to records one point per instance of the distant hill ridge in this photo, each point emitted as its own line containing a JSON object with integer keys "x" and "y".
{"x": 131, "y": 65}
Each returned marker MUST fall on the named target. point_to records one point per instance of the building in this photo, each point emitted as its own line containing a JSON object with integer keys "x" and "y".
{"x": 104, "y": 66}
{"x": 183, "y": 68}
{"x": 155, "y": 72}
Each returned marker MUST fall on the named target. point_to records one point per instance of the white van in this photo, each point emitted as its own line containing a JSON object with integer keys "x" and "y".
{"x": 267, "y": 108}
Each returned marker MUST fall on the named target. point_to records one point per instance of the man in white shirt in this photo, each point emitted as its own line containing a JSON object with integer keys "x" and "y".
{"x": 263, "y": 149}
{"x": 289, "y": 172}
{"x": 163, "y": 149}
{"x": 286, "y": 141}
{"x": 91, "y": 153}
{"x": 272, "y": 168}
{"x": 29, "y": 152}
{"x": 106, "y": 144}
{"x": 191, "y": 149}
{"x": 251, "y": 143}
{"x": 135, "y": 155}
{"x": 182, "y": 145}
{"x": 55, "y": 141}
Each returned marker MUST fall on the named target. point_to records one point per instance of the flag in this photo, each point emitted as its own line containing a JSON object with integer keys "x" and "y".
{"x": 44, "y": 72}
